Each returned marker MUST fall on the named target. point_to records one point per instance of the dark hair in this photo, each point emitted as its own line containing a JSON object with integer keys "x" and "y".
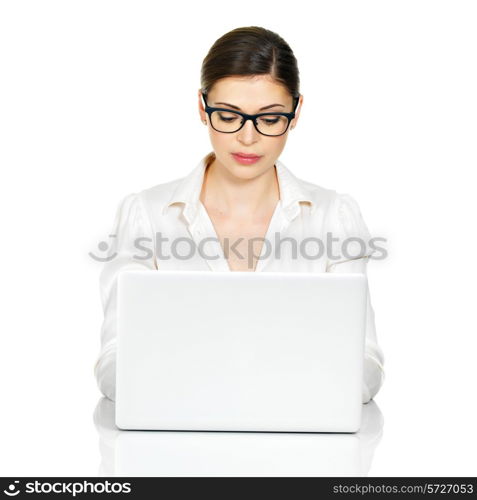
{"x": 248, "y": 51}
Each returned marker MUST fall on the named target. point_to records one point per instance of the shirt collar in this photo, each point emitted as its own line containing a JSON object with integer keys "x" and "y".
{"x": 292, "y": 191}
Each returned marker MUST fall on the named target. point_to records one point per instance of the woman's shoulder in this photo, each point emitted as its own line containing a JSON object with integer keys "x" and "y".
{"x": 340, "y": 208}
{"x": 329, "y": 200}
{"x": 179, "y": 188}
{"x": 339, "y": 203}
{"x": 343, "y": 218}
{"x": 159, "y": 192}
{"x": 346, "y": 219}
{"x": 136, "y": 207}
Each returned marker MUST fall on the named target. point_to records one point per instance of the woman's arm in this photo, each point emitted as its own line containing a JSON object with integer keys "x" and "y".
{"x": 349, "y": 223}
{"x": 374, "y": 358}
{"x": 131, "y": 222}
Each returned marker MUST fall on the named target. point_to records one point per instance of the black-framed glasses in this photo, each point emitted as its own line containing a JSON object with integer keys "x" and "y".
{"x": 229, "y": 121}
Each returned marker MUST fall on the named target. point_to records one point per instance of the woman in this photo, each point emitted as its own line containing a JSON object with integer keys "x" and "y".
{"x": 240, "y": 197}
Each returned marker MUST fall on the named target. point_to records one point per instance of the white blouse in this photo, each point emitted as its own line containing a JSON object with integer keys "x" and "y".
{"x": 174, "y": 210}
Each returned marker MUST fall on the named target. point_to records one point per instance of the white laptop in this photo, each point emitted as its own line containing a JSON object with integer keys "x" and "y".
{"x": 240, "y": 351}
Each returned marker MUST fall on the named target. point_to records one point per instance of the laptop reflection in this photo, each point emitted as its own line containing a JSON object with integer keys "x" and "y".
{"x": 260, "y": 454}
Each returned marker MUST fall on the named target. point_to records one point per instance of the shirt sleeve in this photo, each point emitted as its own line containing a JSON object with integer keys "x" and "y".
{"x": 348, "y": 223}
{"x": 130, "y": 222}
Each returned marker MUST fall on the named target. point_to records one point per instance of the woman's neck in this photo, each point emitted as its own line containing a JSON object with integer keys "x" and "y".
{"x": 234, "y": 197}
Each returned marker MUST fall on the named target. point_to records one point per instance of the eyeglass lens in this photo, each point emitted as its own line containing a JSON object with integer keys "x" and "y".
{"x": 228, "y": 121}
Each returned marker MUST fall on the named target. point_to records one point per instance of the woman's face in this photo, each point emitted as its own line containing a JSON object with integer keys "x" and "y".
{"x": 248, "y": 94}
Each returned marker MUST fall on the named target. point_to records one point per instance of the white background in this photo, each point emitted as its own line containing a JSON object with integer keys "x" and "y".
{"x": 98, "y": 99}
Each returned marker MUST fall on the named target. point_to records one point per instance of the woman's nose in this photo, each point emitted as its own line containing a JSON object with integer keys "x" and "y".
{"x": 248, "y": 134}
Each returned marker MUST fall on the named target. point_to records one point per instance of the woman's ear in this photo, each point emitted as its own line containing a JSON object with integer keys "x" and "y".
{"x": 297, "y": 112}
{"x": 202, "y": 113}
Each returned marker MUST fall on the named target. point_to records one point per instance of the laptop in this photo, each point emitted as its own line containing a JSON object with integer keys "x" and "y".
{"x": 240, "y": 351}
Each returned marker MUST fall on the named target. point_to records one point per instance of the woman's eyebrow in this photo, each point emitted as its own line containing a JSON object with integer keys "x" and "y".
{"x": 236, "y": 107}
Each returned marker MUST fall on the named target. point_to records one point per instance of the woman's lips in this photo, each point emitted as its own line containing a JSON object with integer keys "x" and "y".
{"x": 247, "y": 155}
{"x": 246, "y": 159}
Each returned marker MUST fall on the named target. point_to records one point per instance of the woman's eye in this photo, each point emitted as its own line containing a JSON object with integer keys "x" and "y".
{"x": 270, "y": 121}
{"x": 227, "y": 118}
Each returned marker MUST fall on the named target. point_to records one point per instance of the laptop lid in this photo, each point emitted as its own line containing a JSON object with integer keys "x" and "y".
{"x": 240, "y": 351}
